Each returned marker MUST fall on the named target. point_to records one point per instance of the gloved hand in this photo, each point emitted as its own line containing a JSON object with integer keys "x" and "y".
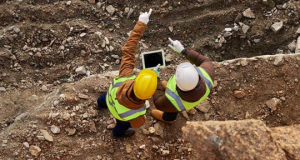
{"x": 176, "y": 46}
{"x": 157, "y": 70}
{"x": 144, "y": 17}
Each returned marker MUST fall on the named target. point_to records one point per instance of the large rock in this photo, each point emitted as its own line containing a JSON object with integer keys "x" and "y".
{"x": 288, "y": 139}
{"x": 297, "y": 50}
{"x": 243, "y": 140}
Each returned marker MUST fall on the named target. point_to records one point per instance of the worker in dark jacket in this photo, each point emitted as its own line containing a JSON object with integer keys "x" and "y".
{"x": 187, "y": 88}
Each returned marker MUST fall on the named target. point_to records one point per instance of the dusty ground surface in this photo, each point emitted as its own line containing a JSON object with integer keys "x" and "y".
{"x": 41, "y": 45}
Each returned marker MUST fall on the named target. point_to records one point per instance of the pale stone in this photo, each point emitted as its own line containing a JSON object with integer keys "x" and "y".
{"x": 292, "y": 46}
{"x": 66, "y": 116}
{"x": 279, "y": 60}
{"x": 273, "y": 104}
{"x": 151, "y": 130}
{"x": 26, "y": 144}
{"x": 71, "y": 131}
{"x": 239, "y": 94}
{"x": 276, "y": 27}
{"x": 248, "y": 13}
{"x": 83, "y": 96}
{"x": 297, "y": 50}
{"x": 81, "y": 70}
{"x": 192, "y": 111}
{"x": 55, "y": 129}
{"x": 128, "y": 148}
{"x": 35, "y": 150}
{"x": 204, "y": 106}
{"x": 110, "y": 9}
{"x": 111, "y": 126}
{"x": 47, "y": 136}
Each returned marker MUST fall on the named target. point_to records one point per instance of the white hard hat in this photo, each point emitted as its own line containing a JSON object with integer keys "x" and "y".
{"x": 186, "y": 76}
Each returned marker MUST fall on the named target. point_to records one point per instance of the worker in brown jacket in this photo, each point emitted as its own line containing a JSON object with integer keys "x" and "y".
{"x": 187, "y": 88}
{"x": 126, "y": 96}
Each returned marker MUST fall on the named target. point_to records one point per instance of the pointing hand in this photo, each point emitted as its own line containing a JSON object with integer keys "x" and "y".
{"x": 144, "y": 17}
{"x": 176, "y": 45}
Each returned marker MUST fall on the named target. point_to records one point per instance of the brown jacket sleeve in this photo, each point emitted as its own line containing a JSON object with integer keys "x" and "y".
{"x": 160, "y": 100}
{"x": 128, "y": 62}
{"x": 128, "y": 58}
{"x": 199, "y": 60}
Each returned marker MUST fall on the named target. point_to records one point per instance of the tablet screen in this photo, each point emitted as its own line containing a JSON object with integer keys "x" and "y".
{"x": 153, "y": 59}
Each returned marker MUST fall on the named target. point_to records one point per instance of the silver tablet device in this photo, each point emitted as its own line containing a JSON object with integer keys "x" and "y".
{"x": 153, "y": 58}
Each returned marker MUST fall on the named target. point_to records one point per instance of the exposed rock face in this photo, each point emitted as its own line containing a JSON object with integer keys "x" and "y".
{"x": 288, "y": 140}
{"x": 248, "y": 139}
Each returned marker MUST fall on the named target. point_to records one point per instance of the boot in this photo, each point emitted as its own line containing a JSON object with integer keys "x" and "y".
{"x": 157, "y": 114}
{"x": 129, "y": 133}
{"x": 164, "y": 84}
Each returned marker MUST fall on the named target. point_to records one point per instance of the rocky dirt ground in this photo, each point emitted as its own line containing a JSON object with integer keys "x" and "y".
{"x": 58, "y": 56}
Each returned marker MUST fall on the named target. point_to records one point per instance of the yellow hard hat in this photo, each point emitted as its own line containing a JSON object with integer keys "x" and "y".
{"x": 145, "y": 84}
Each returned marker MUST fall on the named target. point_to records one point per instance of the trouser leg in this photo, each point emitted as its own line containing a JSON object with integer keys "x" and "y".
{"x": 170, "y": 116}
{"x": 102, "y": 101}
{"x": 121, "y": 128}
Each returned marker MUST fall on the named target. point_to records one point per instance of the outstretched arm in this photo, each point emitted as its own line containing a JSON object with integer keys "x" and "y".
{"x": 128, "y": 58}
{"x": 199, "y": 60}
{"x": 194, "y": 57}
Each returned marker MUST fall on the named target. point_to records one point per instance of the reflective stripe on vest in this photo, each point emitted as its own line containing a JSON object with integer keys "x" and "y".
{"x": 205, "y": 79}
{"x": 175, "y": 99}
{"x": 112, "y": 103}
{"x": 132, "y": 112}
{"x": 113, "y": 86}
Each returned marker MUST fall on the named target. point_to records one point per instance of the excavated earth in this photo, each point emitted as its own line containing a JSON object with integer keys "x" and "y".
{"x": 43, "y": 43}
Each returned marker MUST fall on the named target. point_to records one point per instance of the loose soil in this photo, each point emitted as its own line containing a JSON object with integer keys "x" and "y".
{"x": 34, "y": 57}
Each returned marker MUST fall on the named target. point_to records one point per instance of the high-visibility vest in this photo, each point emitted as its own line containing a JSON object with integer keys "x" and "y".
{"x": 119, "y": 111}
{"x": 174, "y": 98}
